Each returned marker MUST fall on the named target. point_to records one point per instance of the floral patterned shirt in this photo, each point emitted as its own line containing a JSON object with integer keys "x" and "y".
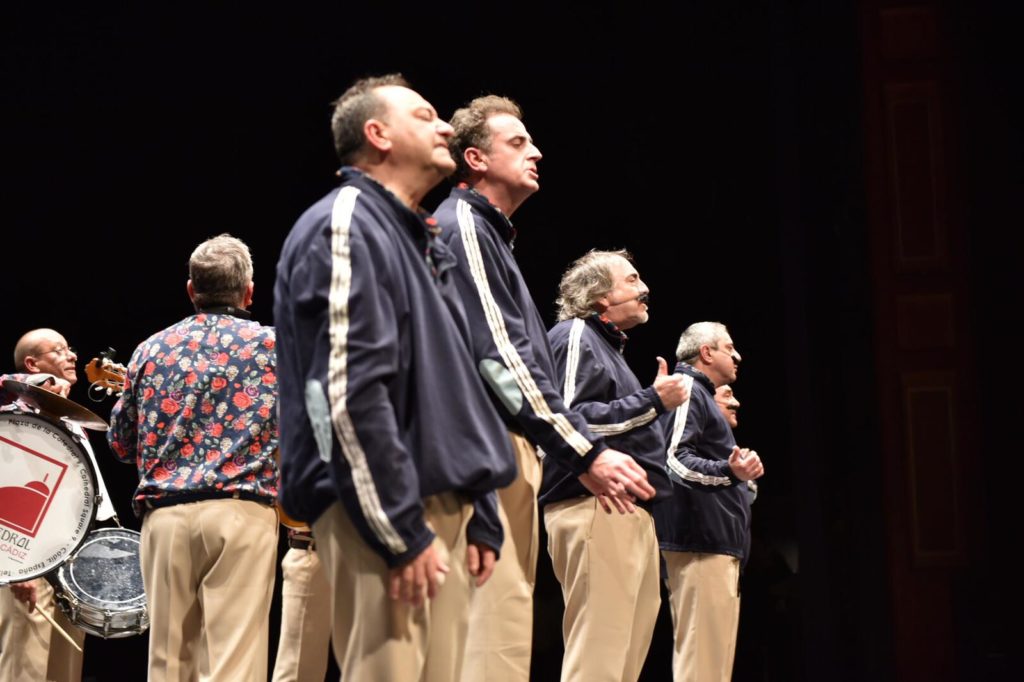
{"x": 198, "y": 414}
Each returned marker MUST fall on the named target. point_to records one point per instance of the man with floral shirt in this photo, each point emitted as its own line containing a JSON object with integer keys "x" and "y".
{"x": 198, "y": 417}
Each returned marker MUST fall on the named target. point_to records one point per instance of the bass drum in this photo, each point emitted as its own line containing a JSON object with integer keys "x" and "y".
{"x": 100, "y": 587}
{"x": 47, "y": 496}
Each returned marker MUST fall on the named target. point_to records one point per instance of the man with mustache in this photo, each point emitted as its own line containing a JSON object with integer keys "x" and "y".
{"x": 607, "y": 564}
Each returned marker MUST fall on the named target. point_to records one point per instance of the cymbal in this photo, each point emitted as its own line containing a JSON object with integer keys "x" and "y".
{"x": 56, "y": 406}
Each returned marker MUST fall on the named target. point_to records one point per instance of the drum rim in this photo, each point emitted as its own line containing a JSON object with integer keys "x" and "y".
{"x": 84, "y": 457}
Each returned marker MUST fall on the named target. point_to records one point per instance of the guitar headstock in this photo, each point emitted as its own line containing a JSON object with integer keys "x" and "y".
{"x": 106, "y": 377}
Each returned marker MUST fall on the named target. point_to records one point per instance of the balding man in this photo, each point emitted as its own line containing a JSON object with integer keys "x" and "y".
{"x": 29, "y": 648}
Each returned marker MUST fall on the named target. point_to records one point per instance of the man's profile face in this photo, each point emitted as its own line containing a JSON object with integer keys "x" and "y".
{"x": 53, "y": 356}
{"x": 725, "y": 361}
{"x": 728, "y": 404}
{"x": 625, "y": 304}
{"x": 419, "y": 138}
{"x": 512, "y": 156}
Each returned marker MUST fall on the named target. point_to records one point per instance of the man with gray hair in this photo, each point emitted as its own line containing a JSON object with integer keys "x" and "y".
{"x": 198, "y": 417}
{"x": 496, "y": 171}
{"x": 703, "y": 528}
{"x": 607, "y": 564}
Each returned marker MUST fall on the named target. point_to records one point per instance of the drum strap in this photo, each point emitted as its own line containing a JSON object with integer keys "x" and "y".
{"x": 106, "y": 507}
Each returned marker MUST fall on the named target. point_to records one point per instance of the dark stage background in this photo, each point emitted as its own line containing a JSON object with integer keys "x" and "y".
{"x": 722, "y": 142}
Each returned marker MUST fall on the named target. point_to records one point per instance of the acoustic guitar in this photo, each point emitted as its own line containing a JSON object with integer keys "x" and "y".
{"x": 106, "y": 377}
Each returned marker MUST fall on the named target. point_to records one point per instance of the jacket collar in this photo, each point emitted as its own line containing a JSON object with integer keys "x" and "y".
{"x": 494, "y": 215}
{"x": 609, "y": 331}
{"x": 683, "y": 368}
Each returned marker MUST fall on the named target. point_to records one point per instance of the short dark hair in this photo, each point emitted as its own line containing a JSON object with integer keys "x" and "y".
{"x": 470, "y": 124}
{"x": 353, "y": 109}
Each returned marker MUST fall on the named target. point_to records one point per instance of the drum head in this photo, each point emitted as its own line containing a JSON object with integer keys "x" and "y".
{"x": 47, "y": 496}
{"x": 101, "y": 585}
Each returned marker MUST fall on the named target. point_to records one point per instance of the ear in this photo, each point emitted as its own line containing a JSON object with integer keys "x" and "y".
{"x": 31, "y": 366}
{"x": 191, "y": 291}
{"x": 376, "y": 133}
{"x": 476, "y": 160}
{"x": 247, "y": 298}
{"x": 705, "y": 354}
{"x": 601, "y": 305}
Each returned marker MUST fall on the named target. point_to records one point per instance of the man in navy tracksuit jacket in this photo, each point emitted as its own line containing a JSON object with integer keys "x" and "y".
{"x": 497, "y": 167}
{"x": 703, "y": 527}
{"x": 389, "y": 443}
{"x": 607, "y": 564}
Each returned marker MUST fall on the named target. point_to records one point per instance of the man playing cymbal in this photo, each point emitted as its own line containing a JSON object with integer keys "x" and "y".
{"x": 29, "y": 648}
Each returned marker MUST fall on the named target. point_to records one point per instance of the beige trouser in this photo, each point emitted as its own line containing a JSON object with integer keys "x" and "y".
{"x": 375, "y": 638}
{"x": 30, "y": 651}
{"x": 608, "y": 566}
{"x": 704, "y": 592}
{"x": 501, "y": 613}
{"x": 208, "y": 569}
{"x": 305, "y": 618}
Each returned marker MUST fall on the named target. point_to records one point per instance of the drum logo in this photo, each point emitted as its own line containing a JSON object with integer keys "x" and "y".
{"x": 33, "y": 481}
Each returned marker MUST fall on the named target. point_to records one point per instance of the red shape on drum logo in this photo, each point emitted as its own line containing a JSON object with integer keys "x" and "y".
{"x": 23, "y": 507}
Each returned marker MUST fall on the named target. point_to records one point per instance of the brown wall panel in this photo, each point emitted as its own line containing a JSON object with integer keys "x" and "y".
{"x": 925, "y": 322}
{"x": 916, "y": 176}
{"x": 932, "y": 467}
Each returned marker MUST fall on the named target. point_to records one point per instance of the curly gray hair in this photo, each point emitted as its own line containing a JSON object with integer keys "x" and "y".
{"x": 587, "y": 279}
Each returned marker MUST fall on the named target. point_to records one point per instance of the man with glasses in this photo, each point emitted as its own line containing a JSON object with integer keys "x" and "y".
{"x": 29, "y": 648}
{"x": 703, "y": 529}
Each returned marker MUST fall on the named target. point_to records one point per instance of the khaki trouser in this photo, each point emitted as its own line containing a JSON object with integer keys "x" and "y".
{"x": 30, "y": 651}
{"x": 208, "y": 569}
{"x": 501, "y": 614}
{"x": 608, "y": 566}
{"x": 377, "y": 638}
{"x": 305, "y": 618}
{"x": 704, "y": 593}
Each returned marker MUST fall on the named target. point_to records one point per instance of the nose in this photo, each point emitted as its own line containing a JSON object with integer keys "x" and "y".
{"x": 444, "y": 129}
{"x": 535, "y": 154}
{"x": 736, "y": 357}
